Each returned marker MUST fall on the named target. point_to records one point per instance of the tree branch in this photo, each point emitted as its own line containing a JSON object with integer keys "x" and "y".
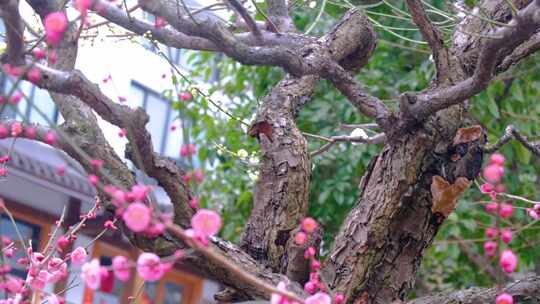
{"x": 483, "y": 263}
{"x": 512, "y": 133}
{"x": 214, "y": 30}
{"x": 527, "y": 48}
{"x": 116, "y": 15}
{"x": 278, "y": 13}
{"x": 244, "y": 14}
{"x": 368, "y": 105}
{"x": 281, "y": 193}
{"x": 521, "y": 28}
{"x": 526, "y": 290}
{"x": 376, "y": 139}
{"x": 14, "y": 31}
{"x": 432, "y": 35}
{"x": 40, "y": 133}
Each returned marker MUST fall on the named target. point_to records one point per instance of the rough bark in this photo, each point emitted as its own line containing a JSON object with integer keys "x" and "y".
{"x": 526, "y": 290}
{"x": 380, "y": 245}
{"x": 281, "y": 193}
{"x": 379, "y": 248}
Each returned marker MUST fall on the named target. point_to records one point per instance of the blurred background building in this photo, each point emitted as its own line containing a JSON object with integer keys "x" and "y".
{"x": 125, "y": 69}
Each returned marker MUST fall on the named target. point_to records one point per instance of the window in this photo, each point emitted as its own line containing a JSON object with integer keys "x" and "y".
{"x": 28, "y": 232}
{"x": 26, "y": 109}
{"x": 173, "y": 54}
{"x": 161, "y": 116}
{"x": 174, "y": 288}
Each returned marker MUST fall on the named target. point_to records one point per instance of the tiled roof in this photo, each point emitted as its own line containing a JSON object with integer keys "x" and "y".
{"x": 42, "y": 161}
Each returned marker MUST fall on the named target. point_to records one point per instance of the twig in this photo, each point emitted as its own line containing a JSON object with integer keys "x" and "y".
{"x": 376, "y": 139}
{"x": 219, "y": 259}
{"x": 250, "y": 23}
{"x": 512, "y": 133}
{"x": 271, "y": 24}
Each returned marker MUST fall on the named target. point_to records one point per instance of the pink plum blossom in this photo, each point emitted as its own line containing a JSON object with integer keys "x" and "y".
{"x": 194, "y": 203}
{"x": 30, "y": 132}
{"x": 16, "y": 129}
{"x": 319, "y": 298}
{"x": 493, "y": 173}
{"x": 55, "y": 25}
{"x": 300, "y": 238}
{"x": 61, "y": 170}
{"x": 309, "y": 225}
{"x": 532, "y": 213}
{"x": 310, "y": 287}
{"x": 83, "y": 6}
{"x": 185, "y": 96}
{"x": 140, "y": 192}
{"x": 486, "y": 188}
{"x": 206, "y": 222}
{"x": 91, "y": 274}
{"x": 137, "y": 217}
{"x": 78, "y": 256}
{"x": 53, "y": 299}
{"x": 508, "y": 261}
{"x": 50, "y": 138}
{"x": 504, "y": 298}
{"x": 339, "y": 299}
{"x": 62, "y": 243}
{"x": 277, "y": 298}
{"x": 149, "y": 267}
{"x": 497, "y": 159}
{"x": 198, "y": 175}
{"x": 489, "y": 248}
{"x": 93, "y": 179}
{"x": 506, "y": 210}
{"x": 34, "y": 76}
{"x": 120, "y": 265}
{"x": 39, "y": 53}
{"x": 491, "y": 232}
{"x": 160, "y": 23}
{"x": 491, "y": 207}
{"x": 310, "y": 252}
{"x": 506, "y": 236}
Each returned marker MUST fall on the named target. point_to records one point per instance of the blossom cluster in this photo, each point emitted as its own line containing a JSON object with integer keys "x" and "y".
{"x": 314, "y": 286}
{"x": 498, "y": 236}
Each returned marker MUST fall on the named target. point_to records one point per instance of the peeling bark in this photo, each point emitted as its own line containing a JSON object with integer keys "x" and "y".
{"x": 281, "y": 193}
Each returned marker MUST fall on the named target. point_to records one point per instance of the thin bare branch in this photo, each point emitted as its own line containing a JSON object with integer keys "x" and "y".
{"x": 278, "y": 12}
{"x": 512, "y": 133}
{"x": 520, "y": 29}
{"x": 371, "y": 140}
{"x": 524, "y": 290}
{"x": 368, "y": 105}
{"x": 527, "y": 48}
{"x": 14, "y": 31}
{"x": 244, "y": 14}
{"x": 432, "y": 35}
{"x": 239, "y": 273}
{"x": 481, "y": 261}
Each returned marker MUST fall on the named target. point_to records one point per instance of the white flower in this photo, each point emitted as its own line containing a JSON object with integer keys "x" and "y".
{"x": 312, "y": 4}
{"x": 253, "y": 176}
{"x": 358, "y": 132}
{"x": 242, "y": 153}
{"x": 254, "y": 160}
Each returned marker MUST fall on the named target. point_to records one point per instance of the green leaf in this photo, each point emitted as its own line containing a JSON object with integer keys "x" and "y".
{"x": 523, "y": 155}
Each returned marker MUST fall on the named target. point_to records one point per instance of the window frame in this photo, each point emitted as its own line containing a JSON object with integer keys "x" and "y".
{"x": 192, "y": 286}
{"x": 30, "y": 102}
{"x": 146, "y": 92}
